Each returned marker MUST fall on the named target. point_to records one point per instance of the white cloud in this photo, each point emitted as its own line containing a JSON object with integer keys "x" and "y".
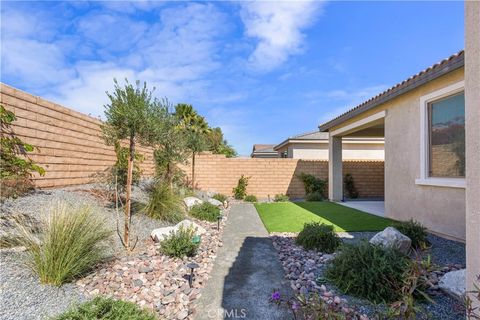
{"x": 174, "y": 53}
{"x": 278, "y": 27}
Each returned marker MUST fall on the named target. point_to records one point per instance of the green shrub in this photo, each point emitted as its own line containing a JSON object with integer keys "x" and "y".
{"x": 164, "y": 204}
{"x": 205, "y": 211}
{"x": 281, "y": 198}
{"x": 320, "y": 237}
{"x": 350, "y": 188}
{"x": 369, "y": 271}
{"x": 240, "y": 191}
{"x": 220, "y": 197}
{"x": 71, "y": 242}
{"x": 314, "y": 196}
{"x": 180, "y": 243}
{"x": 250, "y": 198}
{"x": 313, "y": 184}
{"x": 415, "y": 231}
{"x": 102, "y": 308}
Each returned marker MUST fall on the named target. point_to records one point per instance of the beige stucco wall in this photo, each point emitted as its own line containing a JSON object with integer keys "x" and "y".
{"x": 440, "y": 209}
{"x": 350, "y": 151}
{"x": 472, "y": 112}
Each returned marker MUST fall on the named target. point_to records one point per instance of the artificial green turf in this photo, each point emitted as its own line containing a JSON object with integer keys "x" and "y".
{"x": 290, "y": 217}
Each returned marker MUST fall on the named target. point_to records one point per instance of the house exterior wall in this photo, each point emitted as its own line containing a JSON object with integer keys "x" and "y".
{"x": 472, "y": 113}
{"x": 441, "y": 209}
{"x": 350, "y": 151}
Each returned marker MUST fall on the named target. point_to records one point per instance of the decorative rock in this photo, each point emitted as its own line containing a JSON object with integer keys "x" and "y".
{"x": 144, "y": 269}
{"x": 168, "y": 299}
{"x": 160, "y": 233}
{"x": 182, "y": 314}
{"x": 453, "y": 282}
{"x": 190, "y": 224}
{"x": 215, "y": 202}
{"x": 191, "y": 201}
{"x": 391, "y": 237}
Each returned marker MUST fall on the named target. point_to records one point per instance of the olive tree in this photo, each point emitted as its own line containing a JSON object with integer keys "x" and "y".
{"x": 128, "y": 118}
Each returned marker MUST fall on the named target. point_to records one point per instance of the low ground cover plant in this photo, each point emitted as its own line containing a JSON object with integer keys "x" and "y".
{"x": 180, "y": 243}
{"x": 281, "y": 198}
{"x": 220, "y": 197}
{"x": 164, "y": 204}
{"x": 369, "y": 271}
{"x": 205, "y": 211}
{"x": 318, "y": 236}
{"x": 102, "y": 308}
{"x": 70, "y": 242}
{"x": 250, "y": 198}
{"x": 240, "y": 191}
{"x": 415, "y": 231}
{"x": 314, "y": 196}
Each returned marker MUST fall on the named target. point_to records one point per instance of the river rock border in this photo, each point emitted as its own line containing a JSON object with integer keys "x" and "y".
{"x": 155, "y": 281}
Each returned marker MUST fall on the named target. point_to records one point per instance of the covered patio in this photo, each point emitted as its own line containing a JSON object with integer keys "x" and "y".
{"x": 374, "y": 207}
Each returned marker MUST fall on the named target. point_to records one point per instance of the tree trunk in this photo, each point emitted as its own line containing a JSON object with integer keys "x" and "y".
{"x": 131, "y": 157}
{"x": 193, "y": 170}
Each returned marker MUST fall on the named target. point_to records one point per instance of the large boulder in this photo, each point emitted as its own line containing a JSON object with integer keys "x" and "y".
{"x": 199, "y": 230}
{"x": 191, "y": 201}
{"x": 215, "y": 202}
{"x": 454, "y": 283}
{"x": 392, "y": 238}
{"x": 161, "y": 233}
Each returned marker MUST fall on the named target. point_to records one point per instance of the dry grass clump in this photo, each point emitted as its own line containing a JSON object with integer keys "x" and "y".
{"x": 71, "y": 240}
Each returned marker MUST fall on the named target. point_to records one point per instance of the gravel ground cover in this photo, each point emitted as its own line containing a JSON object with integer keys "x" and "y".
{"x": 24, "y": 298}
{"x": 143, "y": 276}
{"x": 304, "y": 270}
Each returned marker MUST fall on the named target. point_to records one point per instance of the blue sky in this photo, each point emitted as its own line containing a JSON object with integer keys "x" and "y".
{"x": 262, "y": 71}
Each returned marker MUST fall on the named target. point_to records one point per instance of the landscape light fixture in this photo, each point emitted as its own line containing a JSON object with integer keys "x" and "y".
{"x": 192, "y": 266}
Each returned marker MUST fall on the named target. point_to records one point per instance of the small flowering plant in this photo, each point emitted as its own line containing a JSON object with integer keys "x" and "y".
{"x": 310, "y": 307}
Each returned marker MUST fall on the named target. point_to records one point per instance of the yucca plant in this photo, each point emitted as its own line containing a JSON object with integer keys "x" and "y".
{"x": 72, "y": 239}
{"x": 164, "y": 204}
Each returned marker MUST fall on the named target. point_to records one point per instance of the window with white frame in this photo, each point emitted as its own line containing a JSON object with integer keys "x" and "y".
{"x": 443, "y": 137}
{"x": 446, "y": 137}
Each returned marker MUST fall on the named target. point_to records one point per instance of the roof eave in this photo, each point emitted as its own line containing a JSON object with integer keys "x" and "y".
{"x": 396, "y": 91}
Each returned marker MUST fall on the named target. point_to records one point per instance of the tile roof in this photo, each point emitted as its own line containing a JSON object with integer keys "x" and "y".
{"x": 263, "y": 148}
{"x": 445, "y": 66}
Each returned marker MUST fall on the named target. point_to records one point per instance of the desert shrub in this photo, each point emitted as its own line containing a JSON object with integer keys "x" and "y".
{"x": 350, "y": 188}
{"x": 72, "y": 239}
{"x": 220, "y": 197}
{"x": 164, "y": 204}
{"x": 17, "y": 167}
{"x": 240, "y": 191}
{"x": 281, "y": 198}
{"x": 313, "y": 184}
{"x": 413, "y": 289}
{"x": 205, "y": 211}
{"x": 318, "y": 236}
{"x": 102, "y": 308}
{"x": 369, "y": 271}
{"x": 250, "y": 198}
{"x": 314, "y": 196}
{"x": 180, "y": 243}
{"x": 415, "y": 231}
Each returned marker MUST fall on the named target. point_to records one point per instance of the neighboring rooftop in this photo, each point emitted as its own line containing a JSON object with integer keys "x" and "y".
{"x": 439, "y": 69}
{"x": 263, "y": 150}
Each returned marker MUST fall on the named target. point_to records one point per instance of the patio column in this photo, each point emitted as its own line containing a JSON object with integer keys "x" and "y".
{"x": 472, "y": 141}
{"x": 335, "y": 180}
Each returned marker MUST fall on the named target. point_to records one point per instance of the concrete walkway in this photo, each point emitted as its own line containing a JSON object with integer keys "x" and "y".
{"x": 245, "y": 272}
{"x": 374, "y": 207}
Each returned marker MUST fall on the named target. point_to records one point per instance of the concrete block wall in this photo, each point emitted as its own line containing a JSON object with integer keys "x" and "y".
{"x": 71, "y": 147}
{"x": 273, "y": 176}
